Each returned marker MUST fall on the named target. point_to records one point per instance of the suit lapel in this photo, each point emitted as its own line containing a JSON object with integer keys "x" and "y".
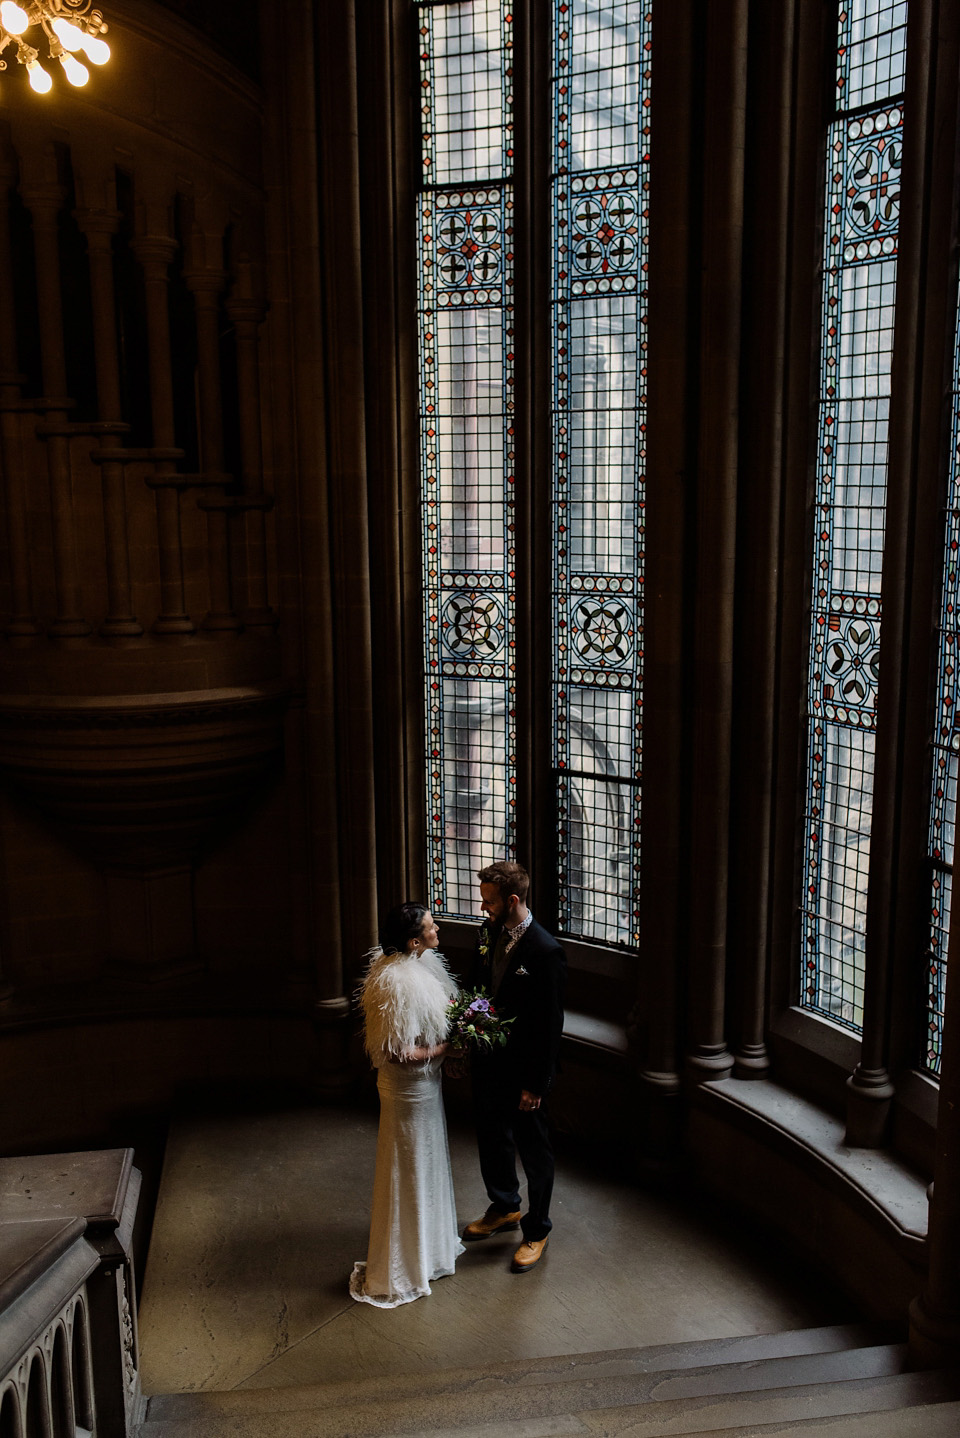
{"x": 515, "y": 958}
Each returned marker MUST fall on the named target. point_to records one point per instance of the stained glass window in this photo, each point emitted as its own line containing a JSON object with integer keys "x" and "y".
{"x": 946, "y": 742}
{"x": 465, "y": 297}
{"x": 600, "y": 184}
{"x": 862, "y": 204}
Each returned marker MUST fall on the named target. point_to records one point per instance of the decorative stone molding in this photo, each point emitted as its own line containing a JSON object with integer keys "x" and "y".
{"x": 138, "y": 784}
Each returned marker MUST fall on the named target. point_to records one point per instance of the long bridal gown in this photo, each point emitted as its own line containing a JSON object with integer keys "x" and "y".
{"x": 413, "y": 1225}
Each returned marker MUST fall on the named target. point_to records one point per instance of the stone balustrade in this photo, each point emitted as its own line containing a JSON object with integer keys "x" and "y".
{"x": 68, "y": 1336}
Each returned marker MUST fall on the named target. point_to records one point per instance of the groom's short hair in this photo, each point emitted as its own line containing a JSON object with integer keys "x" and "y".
{"x": 510, "y": 878}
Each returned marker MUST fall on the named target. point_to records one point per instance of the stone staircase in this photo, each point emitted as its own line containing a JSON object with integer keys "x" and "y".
{"x": 847, "y": 1382}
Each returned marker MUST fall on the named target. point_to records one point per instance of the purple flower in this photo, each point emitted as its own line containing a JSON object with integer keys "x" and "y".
{"x": 479, "y": 1006}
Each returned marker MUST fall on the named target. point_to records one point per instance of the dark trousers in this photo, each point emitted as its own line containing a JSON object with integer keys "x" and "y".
{"x": 503, "y": 1132}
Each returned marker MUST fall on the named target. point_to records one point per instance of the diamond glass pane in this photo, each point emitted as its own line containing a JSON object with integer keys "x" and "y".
{"x": 858, "y": 297}
{"x": 601, "y": 158}
{"x": 946, "y": 744}
{"x": 465, "y": 295}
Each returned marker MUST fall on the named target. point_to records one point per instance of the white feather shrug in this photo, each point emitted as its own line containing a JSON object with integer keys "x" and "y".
{"x": 404, "y": 998}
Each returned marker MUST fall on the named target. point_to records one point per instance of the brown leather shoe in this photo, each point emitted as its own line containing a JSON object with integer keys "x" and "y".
{"x": 492, "y": 1222}
{"x": 528, "y": 1255}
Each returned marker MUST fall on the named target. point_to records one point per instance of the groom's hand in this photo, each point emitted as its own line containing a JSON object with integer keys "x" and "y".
{"x": 529, "y": 1101}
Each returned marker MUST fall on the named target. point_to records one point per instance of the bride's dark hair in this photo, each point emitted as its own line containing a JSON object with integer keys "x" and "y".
{"x": 402, "y": 924}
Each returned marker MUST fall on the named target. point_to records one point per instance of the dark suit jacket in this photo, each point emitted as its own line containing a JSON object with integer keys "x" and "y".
{"x": 530, "y": 993}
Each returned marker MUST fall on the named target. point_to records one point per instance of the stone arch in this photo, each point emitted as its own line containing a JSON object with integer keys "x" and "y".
{"x": 10, "y": 1422}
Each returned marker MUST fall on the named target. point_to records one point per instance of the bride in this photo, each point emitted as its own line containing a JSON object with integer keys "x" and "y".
{"x": 413, "y": 1228}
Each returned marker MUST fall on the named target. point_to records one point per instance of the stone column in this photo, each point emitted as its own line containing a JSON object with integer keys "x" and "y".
{"x": 44, "y": 200}
{"x": 766, "y": 259}
{"x": 206, "y": 287}
{"x": 22, "y": 623}
{"x": 247, "y": 314}
{"x": 655, "y": 1021}
{"x": 155, "y": 252}
{"x": 720, "y": 298}
{"x": 99, "y": 227}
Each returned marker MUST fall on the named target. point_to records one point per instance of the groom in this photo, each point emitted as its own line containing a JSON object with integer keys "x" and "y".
{"x": 522, "y": 967}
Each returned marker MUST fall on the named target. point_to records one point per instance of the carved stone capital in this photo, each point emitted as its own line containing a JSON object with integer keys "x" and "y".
{"x": 44, "y": 201}
{"x": 246, "y": 313}
{"x": 205, "y": 285}
{"x": 98, "y": 225}
{"x": 154, "y": 252}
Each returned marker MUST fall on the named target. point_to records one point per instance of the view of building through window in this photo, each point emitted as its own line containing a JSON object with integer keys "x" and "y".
{"x": 465, "y": 230}
{"x": 862, "y": 204}
{"x": 600, "y": 185}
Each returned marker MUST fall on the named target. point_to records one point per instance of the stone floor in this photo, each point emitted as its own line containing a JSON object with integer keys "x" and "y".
{"x": 260, "y": 1218}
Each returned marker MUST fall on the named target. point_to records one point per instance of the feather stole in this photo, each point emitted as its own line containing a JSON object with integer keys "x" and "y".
{"x": 405, "y": 999}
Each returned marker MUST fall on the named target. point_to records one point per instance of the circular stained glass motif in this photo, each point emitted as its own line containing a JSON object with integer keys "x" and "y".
{"x": 874, "y": 171}
{"x": 469, "y": 249}
{"x": 853, "y": 662}
{"x": 603, "y": 631}
{"x": 605, "y": 237}
{"x": 473, "y": 627}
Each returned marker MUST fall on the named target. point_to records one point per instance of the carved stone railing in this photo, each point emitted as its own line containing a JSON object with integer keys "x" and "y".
{"x": 68, "y": 1336}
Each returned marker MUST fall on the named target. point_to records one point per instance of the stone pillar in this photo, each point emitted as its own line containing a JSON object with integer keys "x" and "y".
{"x": 725, "y": 44}
{"x": 44, "y": 199}
{"x": 766, "y": 259}
{"x": 663, "y": 912}
{"x": 206, "y": 287}
{"x": 99, "y": 227}
{"x": 22, "y": 623}
{"x": 247, "y": 314}
{"x": 155, "y": 252}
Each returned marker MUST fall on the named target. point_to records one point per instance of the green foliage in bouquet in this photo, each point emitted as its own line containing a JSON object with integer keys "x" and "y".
{"x": 475, "y": 1023}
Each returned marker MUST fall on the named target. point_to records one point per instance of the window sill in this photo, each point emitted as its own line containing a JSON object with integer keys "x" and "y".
{"x": 871, "y": 1179}
{"x": 814, "y": 1057}
{"x": 599, "y": 1034}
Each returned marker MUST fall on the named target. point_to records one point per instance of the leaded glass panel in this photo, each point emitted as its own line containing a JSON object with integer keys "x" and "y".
{"x": 857, "y": 317}
{"x": 601, "y": 92}
{"x": 465, "y": 294}
{"x": 946, "y": 743}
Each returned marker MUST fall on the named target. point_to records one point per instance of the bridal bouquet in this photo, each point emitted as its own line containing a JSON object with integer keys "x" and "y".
{"x": 475, "y": 1023}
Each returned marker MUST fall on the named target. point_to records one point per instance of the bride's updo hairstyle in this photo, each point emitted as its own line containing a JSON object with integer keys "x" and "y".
{"x": 402, "y": 924}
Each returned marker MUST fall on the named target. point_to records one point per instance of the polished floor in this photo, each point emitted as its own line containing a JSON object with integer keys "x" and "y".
{"x": 261, "y": 1217}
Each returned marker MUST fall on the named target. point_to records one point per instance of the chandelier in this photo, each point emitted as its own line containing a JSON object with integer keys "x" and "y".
{"x": 70, "y": 27}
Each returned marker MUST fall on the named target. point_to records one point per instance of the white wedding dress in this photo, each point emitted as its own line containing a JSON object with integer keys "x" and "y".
{"x": 413, "y": 1226}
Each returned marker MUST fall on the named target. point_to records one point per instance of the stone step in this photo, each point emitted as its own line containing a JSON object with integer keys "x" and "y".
{"x": 614, "y": 1363}
{"x": 725, "y": 1396}
{"x": 926, "y": 1420}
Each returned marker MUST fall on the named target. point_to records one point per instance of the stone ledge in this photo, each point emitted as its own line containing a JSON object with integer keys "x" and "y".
{"x": 597, "y": 1033}
{"x": 858, "y": 1214}
{"x": 897, "y": 1194}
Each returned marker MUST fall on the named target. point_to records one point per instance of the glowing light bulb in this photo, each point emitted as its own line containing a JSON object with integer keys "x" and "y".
{"x": 12, "y": 18}
{"x": 71, "y": 37}
{"x": 38, "y": 77}
{"x": 98, "y": 51}
{"x": 76, "y": 73}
